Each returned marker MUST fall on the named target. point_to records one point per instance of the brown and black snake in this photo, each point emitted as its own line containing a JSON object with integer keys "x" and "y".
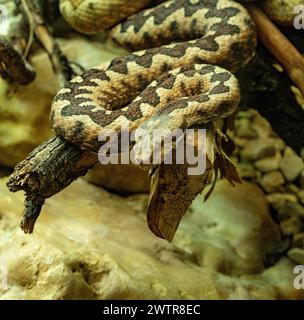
{"x": 180, "y": 73}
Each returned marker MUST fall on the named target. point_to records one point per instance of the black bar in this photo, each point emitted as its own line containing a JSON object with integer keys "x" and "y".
{"x": 156, "y": 309}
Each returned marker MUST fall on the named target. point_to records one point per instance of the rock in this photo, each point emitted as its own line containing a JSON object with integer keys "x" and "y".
{"x": 292, "y": 209}
{"x": 272, "y": 181}
{"x": 25, "y": 113}
{"x": 291, "y": 164}
{"x": 278, "y": 143}
{"x": 292, "y": 188}
{"x": 302, "y": 180}
{"x": 286, "y": 204}
{"x": 121, "y": 178}
{"x": 300, "y": 194}
{"x": 296, "y": 191}
{"x": 243, "y": 128}
{"x": 257, "y": 149}
{"x": 261, "y": 148}
{"x": 246, "y": 170}
{"x": 216, "y": 221}
{"x": 269, "y": 164}
{"x": 89, "y": 243}
{"x": 291, "y": 226}
{"x": 248, "y": 114}
{"x": 298, "y": 95}
{"x": 278, "y": 200}
{"x": 281, "y": 202}
{"x": 297, "y": 255}
{"x": 273, "y": 275}
{"x": 260, "y": 125}
{"x": 298, "y": 240}
{"x": 239, "y": 142}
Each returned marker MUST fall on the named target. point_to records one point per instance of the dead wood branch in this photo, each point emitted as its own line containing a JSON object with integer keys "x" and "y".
{"x": 44, "y": 35}
{"x": 47, "y": 170}
{"x": 13, "y": 67}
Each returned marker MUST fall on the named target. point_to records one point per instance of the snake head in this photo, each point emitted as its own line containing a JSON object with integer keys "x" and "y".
{"x": 156, "y": 138}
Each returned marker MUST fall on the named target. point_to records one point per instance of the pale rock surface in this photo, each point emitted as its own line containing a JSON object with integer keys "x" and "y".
{"x": 257, "y": 149}
{"x": 89, "y": 243}
{"x": 269, "y": 163}
{"x": 247, "y": 170}
{"x": 260, "y": 148}
{"x": 291, "y": 164}
{"x": 260, "y": 124}
{"x": 125, "y": 178}
{"x": 298, "y": 240}
{"x": 291, "y": 226}
{"x": 301, "y": 195}
{"x": 301, "y": 178}
{"x": 297, "y": 255}
{"x": 281, "y": 202}
{"x": 243, "y": 128}
{"x": 267, "y": 160}
{"x": 272, "y": 181}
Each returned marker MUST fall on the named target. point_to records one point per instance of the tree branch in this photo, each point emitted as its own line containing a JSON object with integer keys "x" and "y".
{"x": 47, "y": 170}
{"x": 13, "y": 67}
{"x": 60, "y": 63}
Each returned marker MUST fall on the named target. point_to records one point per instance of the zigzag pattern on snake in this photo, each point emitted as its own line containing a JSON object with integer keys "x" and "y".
{"x": 168, "y": 79}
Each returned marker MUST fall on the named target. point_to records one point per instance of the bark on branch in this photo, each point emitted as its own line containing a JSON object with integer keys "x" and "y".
{"x": 33, "y": 10}
{"x": 47, "y": 170}
{"x": 13, "y": 67}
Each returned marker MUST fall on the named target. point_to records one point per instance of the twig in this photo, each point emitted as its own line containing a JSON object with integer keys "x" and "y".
{"x": 31, "y": 28}
{"x": 13, "y": 66}
{"x": 44, "y": 35}
{"x": 279, "y": 46}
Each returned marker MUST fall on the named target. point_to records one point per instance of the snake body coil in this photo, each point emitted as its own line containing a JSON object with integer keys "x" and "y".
{"x": 176, "y": 81}
{"x": 91, "y": 16}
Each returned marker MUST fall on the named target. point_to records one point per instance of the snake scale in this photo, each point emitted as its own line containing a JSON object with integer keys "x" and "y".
{"x": 91, "y": 16}
{"x": 176, "y": 76}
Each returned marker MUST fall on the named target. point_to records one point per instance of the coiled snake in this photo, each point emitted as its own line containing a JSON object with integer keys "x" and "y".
{"x": 172, "y": 77}
{"x": 177, "y": 80}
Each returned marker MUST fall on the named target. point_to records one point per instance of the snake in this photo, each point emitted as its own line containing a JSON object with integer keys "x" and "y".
{"x": 91, "y": 16}
{"x": 179, "y": 72}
